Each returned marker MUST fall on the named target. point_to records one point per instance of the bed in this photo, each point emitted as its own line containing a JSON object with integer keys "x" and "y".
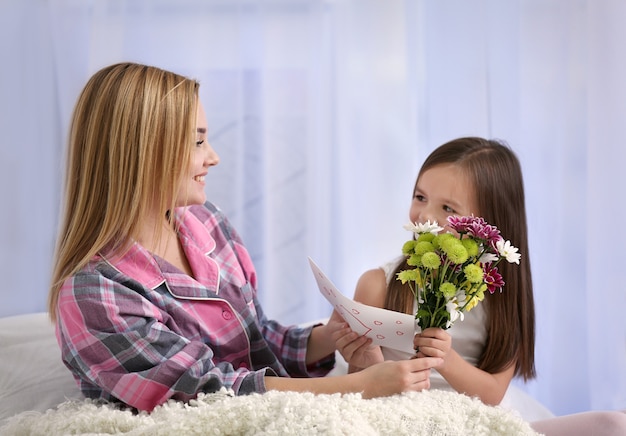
{"x": 38, "y": 396}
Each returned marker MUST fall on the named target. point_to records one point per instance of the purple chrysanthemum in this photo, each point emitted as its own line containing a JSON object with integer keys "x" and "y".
{"x": 493, "y": 279}
{"x": 460, "y": 224}
{"x": 481, "y": 230}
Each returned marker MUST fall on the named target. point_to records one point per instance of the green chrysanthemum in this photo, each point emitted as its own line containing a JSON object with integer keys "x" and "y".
{"x": 423, "y": 247}
{"x": 454, "y": 250}
{"x": 414, "y": 260}
{"x": 428, "y": 237}
{"x": 441, "y": 239}
{"x": 473, "y": 273}
{"x": 408, "y": 247}
{"x": 431, "y": 260}
{"x": 409, "y": 275}
{"x": 471, "y": 246}
{"x": 447, "y": 289}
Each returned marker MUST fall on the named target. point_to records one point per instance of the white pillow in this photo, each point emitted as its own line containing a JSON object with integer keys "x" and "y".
{"x": 32, "y": 375}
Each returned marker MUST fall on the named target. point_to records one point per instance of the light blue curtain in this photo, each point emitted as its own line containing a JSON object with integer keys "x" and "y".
{"x": 322, "y": 112}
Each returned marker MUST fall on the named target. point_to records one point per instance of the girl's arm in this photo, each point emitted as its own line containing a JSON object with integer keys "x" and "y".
{"x": 460, "y": 374}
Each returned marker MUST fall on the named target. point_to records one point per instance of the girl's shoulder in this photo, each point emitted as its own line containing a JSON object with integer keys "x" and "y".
{"x": 371, "y": 288}
{"x": 389, "y": 268}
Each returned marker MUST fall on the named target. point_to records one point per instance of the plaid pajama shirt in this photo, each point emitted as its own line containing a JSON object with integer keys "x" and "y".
{"x": 136, "y": 329}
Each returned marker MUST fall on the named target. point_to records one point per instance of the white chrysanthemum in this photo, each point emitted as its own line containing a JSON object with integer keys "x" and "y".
{"x": 488, "y": 258}
{"x": 426, "y": 227}
{"x": 461, "y": 297}
{"x": 508, "y": 251}
{"x": 451, "y": 307}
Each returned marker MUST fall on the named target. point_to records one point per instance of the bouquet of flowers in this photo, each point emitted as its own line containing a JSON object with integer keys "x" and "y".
{"x": 450, "y": 274}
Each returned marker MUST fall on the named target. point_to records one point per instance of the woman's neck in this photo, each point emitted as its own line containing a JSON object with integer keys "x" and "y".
{"x": 159, "y": 236}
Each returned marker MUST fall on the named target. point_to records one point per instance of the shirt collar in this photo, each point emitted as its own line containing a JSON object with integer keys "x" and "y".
{"x": 139, "y": 263}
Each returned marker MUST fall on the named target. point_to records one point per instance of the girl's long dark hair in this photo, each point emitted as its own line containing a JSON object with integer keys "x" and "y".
{"x": 499, "y": 189}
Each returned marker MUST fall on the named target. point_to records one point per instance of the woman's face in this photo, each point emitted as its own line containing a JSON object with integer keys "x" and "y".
{"x": 202, "y": 157}
{"x": 442, "y": 191}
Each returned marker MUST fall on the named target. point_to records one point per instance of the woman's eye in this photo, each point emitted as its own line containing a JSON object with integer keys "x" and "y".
{"x": 419, "y": 197}
{"x": 449, "y": 210}
{"x": 199, "y": 143}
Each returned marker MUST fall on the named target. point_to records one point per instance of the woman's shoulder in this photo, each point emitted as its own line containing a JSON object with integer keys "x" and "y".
{"x": 90, "y": 279}
{"x": 98, "y": 265}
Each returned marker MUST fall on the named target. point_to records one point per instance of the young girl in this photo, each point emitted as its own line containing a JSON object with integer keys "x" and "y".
{"x": 495, "y": 342}
{"x": 153, "y": 292}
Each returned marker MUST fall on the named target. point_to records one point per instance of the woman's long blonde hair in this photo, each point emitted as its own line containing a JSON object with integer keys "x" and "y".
{"x": 130, "y": 142}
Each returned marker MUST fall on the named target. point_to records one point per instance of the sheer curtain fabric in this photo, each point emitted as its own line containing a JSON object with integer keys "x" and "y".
{"x": 322, "y": 112}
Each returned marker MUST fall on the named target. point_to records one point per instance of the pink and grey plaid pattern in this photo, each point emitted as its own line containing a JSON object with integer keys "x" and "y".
{"x": 135, "y": 329}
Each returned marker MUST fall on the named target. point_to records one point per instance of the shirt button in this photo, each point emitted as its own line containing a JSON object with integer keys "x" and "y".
{"x": 226, "y": 314}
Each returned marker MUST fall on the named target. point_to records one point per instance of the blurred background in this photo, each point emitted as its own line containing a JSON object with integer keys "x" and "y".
{"x": 322, "y": 112}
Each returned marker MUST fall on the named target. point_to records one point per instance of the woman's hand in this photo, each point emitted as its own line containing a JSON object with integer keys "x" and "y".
{"x": 357, "y": 350}
{"x": 321, "y": 342}
{"x": 433, "y": 342}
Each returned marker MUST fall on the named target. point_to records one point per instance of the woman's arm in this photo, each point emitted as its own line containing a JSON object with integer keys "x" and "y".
{"x": 321, "y": 342}
{"x": 383, "y": 379}
{"x": 117, "y": 342}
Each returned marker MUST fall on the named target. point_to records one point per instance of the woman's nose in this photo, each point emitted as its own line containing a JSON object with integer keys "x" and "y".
{"x": 211, "y": 158}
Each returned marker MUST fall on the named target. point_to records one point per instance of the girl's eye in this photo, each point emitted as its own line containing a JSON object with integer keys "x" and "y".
{"x": 449, "y": 210}
{"x": 199, "y": 143}
{"x": 419, "y": 197}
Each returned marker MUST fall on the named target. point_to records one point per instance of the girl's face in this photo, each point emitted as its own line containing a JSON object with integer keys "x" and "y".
{"x": 442, "y": 191}
{"x": 202, "y": 157}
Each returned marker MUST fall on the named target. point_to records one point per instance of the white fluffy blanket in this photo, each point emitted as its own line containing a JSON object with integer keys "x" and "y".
{"x": 280, "y": 413}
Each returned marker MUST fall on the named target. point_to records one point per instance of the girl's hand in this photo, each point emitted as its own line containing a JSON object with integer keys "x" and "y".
{"x": 393, "y": 377}
{"x": 357, "y": 350}
{"x": 433, "y": 342}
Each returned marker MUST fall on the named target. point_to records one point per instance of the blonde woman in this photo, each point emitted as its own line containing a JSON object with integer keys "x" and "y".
{"x": 153, "y": 292}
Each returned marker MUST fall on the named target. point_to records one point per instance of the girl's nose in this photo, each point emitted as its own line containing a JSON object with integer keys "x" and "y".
{"x": 426, "y": 215}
